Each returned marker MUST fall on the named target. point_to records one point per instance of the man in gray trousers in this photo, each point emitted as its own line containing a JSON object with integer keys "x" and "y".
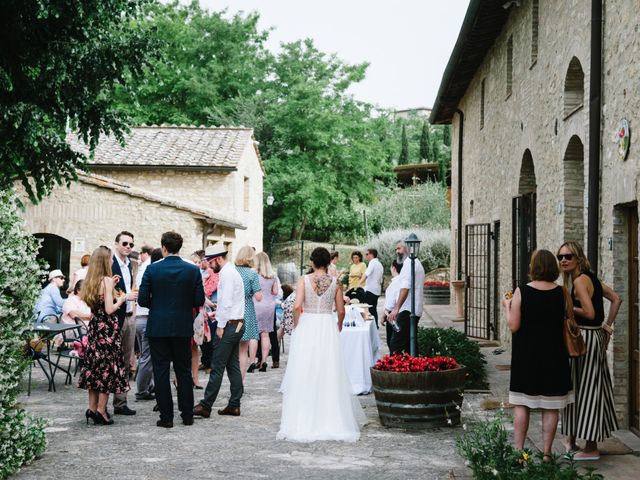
{"x": 230, "y": 317}
{"x": 144, "y": 376}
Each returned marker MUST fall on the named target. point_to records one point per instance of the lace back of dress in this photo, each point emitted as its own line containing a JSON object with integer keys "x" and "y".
{"x": 323, "y": 303}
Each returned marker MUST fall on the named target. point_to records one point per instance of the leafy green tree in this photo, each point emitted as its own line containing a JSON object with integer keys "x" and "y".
{"x": 59, "y": 62}
{"x": 426, "y": 150}
{"x": 404, "y": 147}
{"x": 446, "y": 135}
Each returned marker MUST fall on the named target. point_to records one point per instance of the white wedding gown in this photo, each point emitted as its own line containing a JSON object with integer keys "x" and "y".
{"x": 317, "y": 401}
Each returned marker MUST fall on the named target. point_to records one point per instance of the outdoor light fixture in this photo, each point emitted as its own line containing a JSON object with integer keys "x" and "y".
{"x": 270, "y": 199}
{"x": 413, "y": 244}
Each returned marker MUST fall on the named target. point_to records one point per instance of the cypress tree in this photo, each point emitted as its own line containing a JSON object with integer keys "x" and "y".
{"x": 446, "y": 135}
{"x": 404, "y": 148}
{"x": 425, "y": 141}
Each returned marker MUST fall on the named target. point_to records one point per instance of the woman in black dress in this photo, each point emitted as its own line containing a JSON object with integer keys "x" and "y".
{"x": 592, "y": 417}
{"x": 540, "y": 373}
{"x": 103, "y": 371}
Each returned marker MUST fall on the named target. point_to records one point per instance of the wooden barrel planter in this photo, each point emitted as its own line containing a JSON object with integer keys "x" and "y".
{"x": 419, "y": 400}
{"x": 437, "y": 295}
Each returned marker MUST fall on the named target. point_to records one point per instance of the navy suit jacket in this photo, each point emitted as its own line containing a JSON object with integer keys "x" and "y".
{"x": 115, "y": 270}
{"x": 171, "y": 289}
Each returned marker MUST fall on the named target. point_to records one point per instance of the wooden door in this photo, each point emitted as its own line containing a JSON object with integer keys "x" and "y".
{"x": 634, "y": 327}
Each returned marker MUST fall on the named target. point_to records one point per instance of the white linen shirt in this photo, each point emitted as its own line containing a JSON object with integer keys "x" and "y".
{"x": 230, "y": 296}
{"x": 405, "y": 282}
{"x": 142, "y": 311}
{"x": 374, "y": 273}
{"x": 391, "y": 294}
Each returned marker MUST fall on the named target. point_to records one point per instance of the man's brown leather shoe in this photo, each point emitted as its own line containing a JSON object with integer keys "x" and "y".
{"x": 275, "y": 364}
{"x": 234, "y": 411}
{"x": 201, "y": 411}
{"x": 187, "y": 421}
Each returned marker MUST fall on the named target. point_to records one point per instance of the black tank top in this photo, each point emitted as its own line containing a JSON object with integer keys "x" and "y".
{"x": 596, "y": 300}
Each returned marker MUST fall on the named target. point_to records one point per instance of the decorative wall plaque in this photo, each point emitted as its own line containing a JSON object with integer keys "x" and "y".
{"x": 623, "y": 138}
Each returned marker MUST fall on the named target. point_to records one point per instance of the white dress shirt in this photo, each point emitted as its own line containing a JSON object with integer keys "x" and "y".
{"x": 142, "y": 311}
{"x": 230, "y": 296}
{"x": 126, "y": 277}
{"x": 373, "y": 282}
{"x": 391, "y": 294}
{"x": 405, "y": 282}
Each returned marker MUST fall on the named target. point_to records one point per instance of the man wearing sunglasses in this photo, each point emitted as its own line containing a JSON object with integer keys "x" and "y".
{"x": 121, "y": 267}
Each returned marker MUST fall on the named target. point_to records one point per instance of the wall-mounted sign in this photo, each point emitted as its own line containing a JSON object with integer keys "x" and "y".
{"x": 623, "y": 138}
{"x": 78, "y": 244}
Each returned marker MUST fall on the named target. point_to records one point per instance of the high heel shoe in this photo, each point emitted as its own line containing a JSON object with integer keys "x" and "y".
{"x": 252, "y": 368}
{"x": 263, "y": 367}
{"x": 99, "y": 419}
{"x": 89, "y": 414}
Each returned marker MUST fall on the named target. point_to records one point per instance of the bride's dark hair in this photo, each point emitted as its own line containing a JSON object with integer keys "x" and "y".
{"x": 320, "y": 257}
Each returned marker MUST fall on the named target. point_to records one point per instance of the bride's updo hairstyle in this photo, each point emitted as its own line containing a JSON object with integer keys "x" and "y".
{"x": 320, "y": 257}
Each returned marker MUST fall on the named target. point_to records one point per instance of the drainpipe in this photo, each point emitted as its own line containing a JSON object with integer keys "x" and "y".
{"x": 459, "y": 233}
{"x": 595, "y": 92}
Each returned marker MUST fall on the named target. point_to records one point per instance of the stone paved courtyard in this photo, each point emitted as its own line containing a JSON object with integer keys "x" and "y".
{"x": 245, "y": 447}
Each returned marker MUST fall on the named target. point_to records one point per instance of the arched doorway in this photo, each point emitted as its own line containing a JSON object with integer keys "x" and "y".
{"x": 524, "y": 221}
{"x": 573, "y": 175}
{"x": 56, "y": 251}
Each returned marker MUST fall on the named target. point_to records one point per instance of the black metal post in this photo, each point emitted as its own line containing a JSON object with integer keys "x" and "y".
{"x": 413, "y": 319}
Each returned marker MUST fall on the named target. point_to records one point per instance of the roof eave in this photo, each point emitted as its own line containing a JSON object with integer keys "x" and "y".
{"x": 181, "y": 168}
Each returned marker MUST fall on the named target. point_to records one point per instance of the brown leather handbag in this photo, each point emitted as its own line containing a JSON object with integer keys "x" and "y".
{"x": 572, "y": 335}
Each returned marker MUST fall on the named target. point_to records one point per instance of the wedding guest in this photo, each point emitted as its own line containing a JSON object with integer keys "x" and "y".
{"x": 103, "y": 370}
{"x": 266, "y": 308}
{"x": 401, "y": 313}
{"x": 51, "y": 301}
{"x": 592, "y": 417}
{"x": 72, "y": 308}
{"x": 540, "y": 379}
{"x": 156, "y": 255}
{"x": 333, "y": 266}
{"x": 390, "y": 298}
{"x": 356, "y": 271}
{"x": 289, "y": 298}
{"x": 372, "y": 282}
{"x": 210, "y": 280}
{"x": 249, "y": 341}
{"x": 144, "y": 377}
{"x": 122, "y": 268}
{"x": 230, "y": 328}
{"x": 79, "y": 274}
{"x": 171, "y": 290}
{"x": 277, "y": 336}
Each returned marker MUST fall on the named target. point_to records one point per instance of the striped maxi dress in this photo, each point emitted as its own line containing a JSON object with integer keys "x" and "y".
{"x": 592, "y": 417}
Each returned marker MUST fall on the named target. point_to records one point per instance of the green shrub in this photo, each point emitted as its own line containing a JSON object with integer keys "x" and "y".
{"x": 489, "y": 454}
{"x": 453, "y": 343}
{"x": 22, "y": 437}
{"x": 434, "y": 247}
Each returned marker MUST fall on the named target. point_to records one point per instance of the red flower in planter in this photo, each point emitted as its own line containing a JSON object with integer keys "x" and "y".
{"x": 434, "y": 283}
{"x": 406, "y": 363}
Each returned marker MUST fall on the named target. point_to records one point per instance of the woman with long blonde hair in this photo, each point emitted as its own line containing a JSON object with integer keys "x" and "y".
{"x": 249, "y": 341}
{"x": 592, "y": 417}
{"x": 103, "y": 371}
{"x": 266, "y": 309}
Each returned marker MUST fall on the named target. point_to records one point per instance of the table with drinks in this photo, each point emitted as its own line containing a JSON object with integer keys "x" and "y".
{"x": 360, "y": 347}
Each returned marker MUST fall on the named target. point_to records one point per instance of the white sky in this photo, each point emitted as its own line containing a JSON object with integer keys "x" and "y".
{"x": 406, "y": 42}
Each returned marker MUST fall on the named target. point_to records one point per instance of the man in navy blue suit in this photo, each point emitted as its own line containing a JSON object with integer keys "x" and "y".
{"x": 171, "y": 289}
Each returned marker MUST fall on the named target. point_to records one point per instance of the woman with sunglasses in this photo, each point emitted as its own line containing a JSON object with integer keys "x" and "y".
{"x": 592, "y": 417}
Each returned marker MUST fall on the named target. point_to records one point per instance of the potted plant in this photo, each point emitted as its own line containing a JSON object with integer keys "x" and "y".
{"x": 418, "y": 392}
{"x": 437, "y": 292}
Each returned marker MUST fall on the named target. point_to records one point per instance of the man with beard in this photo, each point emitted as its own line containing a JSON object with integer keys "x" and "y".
{"x": 226, "y": 341}
{"x": 401, "y": 313}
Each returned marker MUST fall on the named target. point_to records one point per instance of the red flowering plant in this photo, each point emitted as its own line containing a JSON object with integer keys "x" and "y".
{"x": 435, "y": 283}
{"x": 406, "y": 363}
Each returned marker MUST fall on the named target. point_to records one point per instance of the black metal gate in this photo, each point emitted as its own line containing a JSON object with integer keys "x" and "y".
{"x": 524, "y": 236}
{"x": 477, "y": 315}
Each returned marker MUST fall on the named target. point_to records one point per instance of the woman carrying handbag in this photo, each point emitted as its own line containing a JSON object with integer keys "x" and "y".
{"x": 592, "y": 417}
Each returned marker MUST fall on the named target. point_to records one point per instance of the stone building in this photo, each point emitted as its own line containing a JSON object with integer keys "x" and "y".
{"x": 538, "y": 93}
{"x": 204, "y": 183}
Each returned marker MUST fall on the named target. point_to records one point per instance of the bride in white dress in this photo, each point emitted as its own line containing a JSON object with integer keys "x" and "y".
{"x": 317, "y": 401}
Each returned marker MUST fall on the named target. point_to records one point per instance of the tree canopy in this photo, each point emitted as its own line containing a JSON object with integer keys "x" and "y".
{"x": 59, "y": 62}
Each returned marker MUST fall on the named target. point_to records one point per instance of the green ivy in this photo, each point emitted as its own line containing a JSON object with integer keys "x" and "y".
{"x": 453, "y": 343}
{"x": 489, "y": 454}
{"x": 22, "y": 436}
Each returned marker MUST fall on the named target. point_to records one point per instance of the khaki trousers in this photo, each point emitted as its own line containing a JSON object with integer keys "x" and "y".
{"x": 128, "y": 336}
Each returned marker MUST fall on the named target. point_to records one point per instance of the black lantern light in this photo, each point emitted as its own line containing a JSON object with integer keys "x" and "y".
{"x": 413, "y": 244}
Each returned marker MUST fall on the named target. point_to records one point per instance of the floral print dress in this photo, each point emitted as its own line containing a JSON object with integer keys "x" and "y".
{"x": 251, "y": 287}
{"x": 103, "y": 367}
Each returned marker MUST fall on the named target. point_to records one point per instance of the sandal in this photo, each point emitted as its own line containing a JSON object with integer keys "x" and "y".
{"x": 586, "y": 457}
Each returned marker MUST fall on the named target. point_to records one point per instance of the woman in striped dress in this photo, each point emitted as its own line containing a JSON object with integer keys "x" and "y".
{"x": 592, "y": 417}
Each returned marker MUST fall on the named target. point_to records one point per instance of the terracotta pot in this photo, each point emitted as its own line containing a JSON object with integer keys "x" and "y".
{"x": 419, "y": 400}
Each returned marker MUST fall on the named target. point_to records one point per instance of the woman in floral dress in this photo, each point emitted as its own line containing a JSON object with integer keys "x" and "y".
{"x": 249, "y": 341}
{"x": 103, "y": 371}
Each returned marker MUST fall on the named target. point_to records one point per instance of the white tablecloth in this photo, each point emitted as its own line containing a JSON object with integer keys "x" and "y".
{"x": 360, "y": 350}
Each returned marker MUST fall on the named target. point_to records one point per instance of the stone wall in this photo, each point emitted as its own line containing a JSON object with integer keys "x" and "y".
{"x": 533, "y": 117}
